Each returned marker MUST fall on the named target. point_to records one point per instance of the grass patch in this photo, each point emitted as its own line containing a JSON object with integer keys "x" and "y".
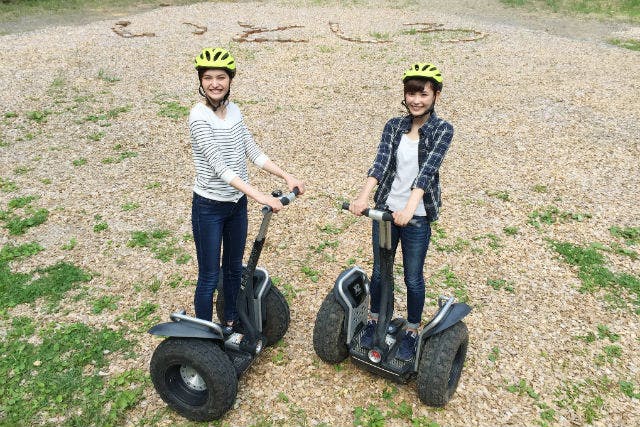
{"x": 630, "y": 44}
{"x": 161, "y": 243}
{"x": 551, "y": 215}
{"x": 448, "y": 280}
{"x": 620, "y": 288}
{"x": 59, "y": 376}
{"x": 626, "y": 9}
{"x": 27, "y": 216}
{"x": 7, "y": 186}
{"x": 173, "y": 110}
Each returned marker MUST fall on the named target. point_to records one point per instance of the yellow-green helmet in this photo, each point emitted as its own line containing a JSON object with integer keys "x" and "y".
{"x": 216, "y": 58}
{"x": 424, "y": 70}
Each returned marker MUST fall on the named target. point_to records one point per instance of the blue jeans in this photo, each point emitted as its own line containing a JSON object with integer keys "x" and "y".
{"x": 217, "y": 224}
{"x": 415, "y": 242}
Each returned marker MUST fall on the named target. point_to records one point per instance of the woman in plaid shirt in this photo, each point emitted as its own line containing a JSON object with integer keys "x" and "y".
{"x": 405, "y": 170}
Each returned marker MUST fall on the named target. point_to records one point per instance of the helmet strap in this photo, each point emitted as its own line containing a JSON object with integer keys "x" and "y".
{"x": 213, "y": 106}
{"x": 425, "y": 114}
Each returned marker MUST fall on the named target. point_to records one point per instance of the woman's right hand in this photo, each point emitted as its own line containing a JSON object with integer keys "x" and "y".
{"x": 357, "y": 206}
{"x": 274, "y": 203}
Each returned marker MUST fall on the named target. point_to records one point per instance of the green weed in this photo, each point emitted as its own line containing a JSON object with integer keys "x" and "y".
{"x": 173, "y": 110}
{"x": 313, "y": 275}
{"x": 372, "y": 416}
{"x": 630, "y": 44}
{"x": 499, "y": 194}
{"x": 628, "y": 389}
{"x": 102, "y": 75}
{"x": 7, "y": 186}
{"x": 584, "y": 397}
{"x": 449, "y": 280}
{"x": 17, "y": 224}
{"x": 130, "y": 206}
{"x": 79, "y": 162}
{"x": 522, "y": 388}
{"x": 595, "y": 276}
{"x": 104, "y": 303}
{"x": 631, "y": 235}
{"x": 161, "y": 244}
{"x": 551, "y": 215}
{"x": 498, "y": 284}
{"x": 511, "y": 231}
{"x": 70, "y": 245}
{"x": 96, "y": 136}
{"x": 10, "y": 115}
{"x": 38, "y": 116}
{"x": 494, "y": 354}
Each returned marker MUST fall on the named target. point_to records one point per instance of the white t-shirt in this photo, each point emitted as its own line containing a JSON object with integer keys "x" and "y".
{"x": 406, "y": 173}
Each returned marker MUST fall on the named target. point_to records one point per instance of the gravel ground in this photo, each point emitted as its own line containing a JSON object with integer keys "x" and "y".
{"x": 546, "y": 114}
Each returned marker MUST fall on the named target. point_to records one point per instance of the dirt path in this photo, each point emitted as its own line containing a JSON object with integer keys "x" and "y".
{"x": 486, "y": 11}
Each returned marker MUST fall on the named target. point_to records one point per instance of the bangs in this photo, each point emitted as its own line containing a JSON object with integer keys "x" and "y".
{"x": 414, "y": 85}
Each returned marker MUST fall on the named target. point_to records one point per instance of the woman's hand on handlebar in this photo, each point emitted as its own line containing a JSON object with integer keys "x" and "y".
{"x": 293, "y": 182}
{"x": 274, "y": 203}
{"x": 357, "y": 206}
{"x": 402, "y": 218}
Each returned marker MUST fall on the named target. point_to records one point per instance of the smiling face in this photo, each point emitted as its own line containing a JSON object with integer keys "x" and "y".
{"x": 216, "y": 84}
{"x": 419, "y": 96}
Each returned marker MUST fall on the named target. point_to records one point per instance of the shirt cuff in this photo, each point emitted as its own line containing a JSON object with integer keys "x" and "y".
{"x": 228, "y": 176}
{"x": 261, "y": 160}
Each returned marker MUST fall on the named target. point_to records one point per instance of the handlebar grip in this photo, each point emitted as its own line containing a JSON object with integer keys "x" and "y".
{"x": 376, "y": 215}
{"x": 285, "y": 200}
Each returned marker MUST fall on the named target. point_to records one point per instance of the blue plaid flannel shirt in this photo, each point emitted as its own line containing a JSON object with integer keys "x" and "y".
{"x": 435, "y": 138}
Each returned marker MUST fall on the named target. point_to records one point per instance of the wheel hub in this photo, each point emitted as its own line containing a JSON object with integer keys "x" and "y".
{"x": 191, "y": 378}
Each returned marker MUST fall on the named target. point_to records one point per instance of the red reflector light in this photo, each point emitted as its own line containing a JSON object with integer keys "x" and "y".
{"x": 375, "y": 356}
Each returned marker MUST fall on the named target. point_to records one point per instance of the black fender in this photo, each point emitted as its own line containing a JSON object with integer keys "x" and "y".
{"x": 184, "y": 330}
{"x": 455, "y": 314}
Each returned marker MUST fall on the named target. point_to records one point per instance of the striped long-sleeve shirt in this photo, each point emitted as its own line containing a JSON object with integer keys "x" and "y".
{"x": 220, "y": 149}
{"x": 435, "y": 138}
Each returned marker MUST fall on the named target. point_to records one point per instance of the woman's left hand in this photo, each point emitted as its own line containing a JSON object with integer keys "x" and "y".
{"x": 402, "y": 218}
{"x": 293, "y": 182}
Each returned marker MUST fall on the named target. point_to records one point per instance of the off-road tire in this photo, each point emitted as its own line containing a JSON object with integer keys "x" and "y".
{"x": 329, "y": 333}
{"x": 276, "y": 316}
{"x": 212, "y": 365}
{"x": 440, "y": 366}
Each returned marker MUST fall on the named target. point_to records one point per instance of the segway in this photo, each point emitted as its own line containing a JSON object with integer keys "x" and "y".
{"x": 195, "y": 370}
{"x": 340, "y": 323}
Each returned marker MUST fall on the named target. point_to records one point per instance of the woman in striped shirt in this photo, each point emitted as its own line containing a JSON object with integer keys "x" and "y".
{"x": 221, "y": 144}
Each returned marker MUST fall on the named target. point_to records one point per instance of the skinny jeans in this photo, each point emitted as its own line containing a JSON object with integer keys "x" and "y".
{"x": 415, "y": 242}
{"x": 219, "y": 231}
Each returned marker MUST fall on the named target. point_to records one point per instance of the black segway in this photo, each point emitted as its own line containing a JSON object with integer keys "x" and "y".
{"x": 195, "y": 370}
{"x": 340, "y": 323}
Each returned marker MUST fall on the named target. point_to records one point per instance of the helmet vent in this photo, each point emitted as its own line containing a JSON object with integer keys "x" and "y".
{"x": 208, "y": 55}
{"x": 216, "y": 56}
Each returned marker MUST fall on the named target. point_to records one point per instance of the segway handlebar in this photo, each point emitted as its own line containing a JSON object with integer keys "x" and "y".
{"x": 285, "y": 200}
{"x": 379, "y": 215}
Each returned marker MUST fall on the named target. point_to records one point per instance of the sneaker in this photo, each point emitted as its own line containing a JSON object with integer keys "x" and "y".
{"x": 234, "y": 326}
{"x": 366, "y": 341}
{"x": 407, "y": 348}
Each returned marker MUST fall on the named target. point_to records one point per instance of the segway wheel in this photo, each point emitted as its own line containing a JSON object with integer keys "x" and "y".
{"x": 440, "y": 365}
{"x": 194, "y": 377}
{"x": 329, "y": 334}
{"x": 276, "y": 316}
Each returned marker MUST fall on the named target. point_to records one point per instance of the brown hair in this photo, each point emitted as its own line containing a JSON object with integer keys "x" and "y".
{"x": 416, "y": 84}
